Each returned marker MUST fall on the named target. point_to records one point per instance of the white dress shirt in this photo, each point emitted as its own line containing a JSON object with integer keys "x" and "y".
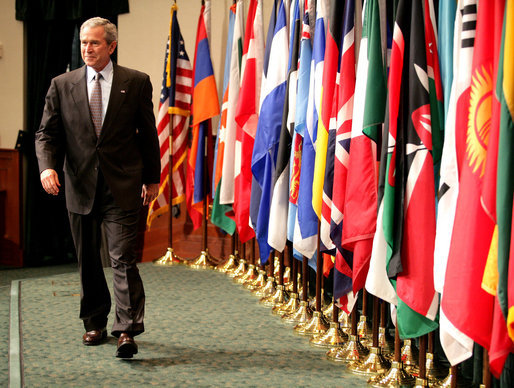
{"x": 105, "y": 83}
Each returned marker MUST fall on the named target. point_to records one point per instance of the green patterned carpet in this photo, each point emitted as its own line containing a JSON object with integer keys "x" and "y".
{"x": 202, "y": 329}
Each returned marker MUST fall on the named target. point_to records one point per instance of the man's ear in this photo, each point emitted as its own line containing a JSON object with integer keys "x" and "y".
{"x": 112, "y": 47}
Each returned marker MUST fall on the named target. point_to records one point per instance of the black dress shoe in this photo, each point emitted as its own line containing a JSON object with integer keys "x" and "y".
{"x": 94, "y": 337}
{"x": 127, "y": 347}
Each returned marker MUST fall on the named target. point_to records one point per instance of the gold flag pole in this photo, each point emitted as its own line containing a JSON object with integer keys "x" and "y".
{"x": 170, "y": 258}
{"x": 318, "y": 324}
{"x": 204, "y": 260}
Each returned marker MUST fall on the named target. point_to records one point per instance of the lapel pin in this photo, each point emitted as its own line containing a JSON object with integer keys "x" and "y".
{"x": 123, "y": 91}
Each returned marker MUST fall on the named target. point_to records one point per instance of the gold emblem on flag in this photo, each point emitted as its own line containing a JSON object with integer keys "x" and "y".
{"x": 479, "y": 118}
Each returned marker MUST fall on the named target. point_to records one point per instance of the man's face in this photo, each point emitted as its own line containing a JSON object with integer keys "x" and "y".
{"x": 94, "y": 48}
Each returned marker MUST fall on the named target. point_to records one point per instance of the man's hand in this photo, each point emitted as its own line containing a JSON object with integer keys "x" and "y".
{"x": 149, "y": 193}
{"x": 50, "y": 181}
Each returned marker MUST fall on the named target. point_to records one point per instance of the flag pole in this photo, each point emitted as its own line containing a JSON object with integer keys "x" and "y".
{"x": 170, "y": 258}
{"x": 204, "y": 261}
{"x": 231, "y": 263}
{"x": 421, "y": 380}
{"x": 258, "y": 281}
{"x": 433, "y": 371}
{"x": 375, "y": 364}
{"x": 396, "y": 376}
{"x": 363, "y": 330}
{"x": 241, "y": 267}
{"x": 384, "y": 341}
{"x": 251, "y": 273}
{"x": 353, "y": 350}
{"x": 268, "y": 289}
{"x": 276, "y": 296}
{"x": 318, "y": 324}
{"x": 304, "y": 312}
{"x": 281, "y": 297}
{"x": 294, "y": 302}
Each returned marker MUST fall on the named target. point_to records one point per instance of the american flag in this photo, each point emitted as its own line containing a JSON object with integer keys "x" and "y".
{"x": 176, "y": 101}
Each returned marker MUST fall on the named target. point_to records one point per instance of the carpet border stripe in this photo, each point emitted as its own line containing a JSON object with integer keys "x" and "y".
{"x": 15, "y": 362}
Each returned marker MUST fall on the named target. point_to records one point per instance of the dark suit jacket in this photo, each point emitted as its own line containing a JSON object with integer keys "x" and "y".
{"x": 127, "y": 150}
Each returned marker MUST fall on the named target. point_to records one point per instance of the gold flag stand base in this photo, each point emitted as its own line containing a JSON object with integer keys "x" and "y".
{"x": 352, "y": 351}
{"x": 258, "y": 282}
{"x": 278, "y": 298}
{"x": 281, "y": 298}
{"x": 229, "y": 265}
{"x": 268, "y": 289}
{"x": 333, "y": 338}
{"x": 316, "y": 326}
{"x": 447, "y": 382}
{"x": 364, "y": 332}
{"x": 239, "y": 271}
{"x": 386, "y": 344}
{"x": 420, "y": 383}
{"x": 374, "y": 364}
{"x": 168, "y": 259}
{"x": 344, "y": 322}
{"x": 249, "y": 276}
{"x": 291, "y": 306}
{"x": 301, "y": 315}
{"x": 328, "y": 311}
{"x": 410, "y": 357}
{"x": 204, "y": 261}
{"x": 433, "y": 372}
{"x": 395, "y": 377}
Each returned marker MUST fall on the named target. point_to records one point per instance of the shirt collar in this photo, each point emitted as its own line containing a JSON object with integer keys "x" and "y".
{"x": 106, "y": 72}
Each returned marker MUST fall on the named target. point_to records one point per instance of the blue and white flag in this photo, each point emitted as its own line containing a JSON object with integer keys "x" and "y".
{"x": 306, "y": 234}
{"x": 267, "y": 137}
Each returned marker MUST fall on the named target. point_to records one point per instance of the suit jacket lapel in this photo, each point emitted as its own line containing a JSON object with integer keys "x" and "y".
{"x": 78, "y": 92}
{"x": 117, "y": 96}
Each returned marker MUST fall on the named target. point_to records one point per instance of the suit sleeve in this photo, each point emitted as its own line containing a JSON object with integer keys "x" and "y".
{"x": 49, "y": 138}
{"x": 147, "y": 135}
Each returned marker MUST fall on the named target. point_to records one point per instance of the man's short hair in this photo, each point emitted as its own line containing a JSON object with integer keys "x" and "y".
{"x": 111, "y": 32}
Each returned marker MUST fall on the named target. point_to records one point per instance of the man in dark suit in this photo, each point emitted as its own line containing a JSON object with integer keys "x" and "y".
{"x": 100, "y": 119}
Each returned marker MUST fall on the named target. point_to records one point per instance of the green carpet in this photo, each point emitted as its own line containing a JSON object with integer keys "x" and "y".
{"x": 202, "y": 329}
{"x": 7, "y": 274}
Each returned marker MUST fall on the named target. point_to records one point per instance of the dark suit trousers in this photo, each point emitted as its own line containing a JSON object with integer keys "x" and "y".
{"x": 121, "y": 231}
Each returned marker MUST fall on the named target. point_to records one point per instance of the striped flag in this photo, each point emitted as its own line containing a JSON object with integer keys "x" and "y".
{"x": 302, "y": 98}
{"x": 273, "y": 92}
{"x": 343, "y": 260}
{"x": 435, "y": 87}
{"x": 227, "y": 184}
{"x": 446, "y": 24}
{"x": 487, "y": 77}
{"x": 326, "y": 136}
{"x": 247, "y": 115}
{"x": 222, "y": 213}
{"x": 175, "y": 99}
{"x": 277, "y": 234}
{"x": 360, "y": 208}
{"x": 505, "y": 182}
{"x": 205, "y": 106}
{"x": 456, "y": 345}
{"x": 377, "y": 281}
{"x": 306, "y": 234}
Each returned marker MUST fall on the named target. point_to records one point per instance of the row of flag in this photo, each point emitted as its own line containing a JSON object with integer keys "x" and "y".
{"x": 372, "y": 130}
